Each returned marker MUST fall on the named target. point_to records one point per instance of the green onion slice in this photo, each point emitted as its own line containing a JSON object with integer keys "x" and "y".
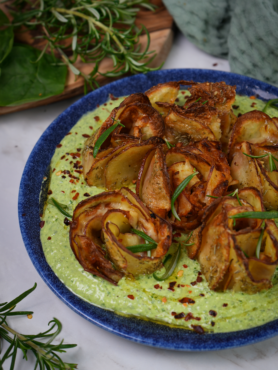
{"x": 61, "y": 207}
{"x": 270, "y": 103}
{"x": 178, "y": 191}
{"x": 104, "y": 136}
{"x": 259, "y": 215}
{"x": 144, "y": 236}
{"x": 170, "y": 264}
{"x": 141, "y": 248}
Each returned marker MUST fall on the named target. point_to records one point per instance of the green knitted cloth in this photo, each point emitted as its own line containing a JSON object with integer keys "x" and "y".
{"x": 244, "y": 31}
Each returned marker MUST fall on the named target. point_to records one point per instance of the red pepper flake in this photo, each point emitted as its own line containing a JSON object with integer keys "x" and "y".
{"x": 193, "y": 283}
{"x": 156, "y": 286}
{"x": 96, "y": 118}
{"x": 171, "y": 286}
{"x": 66, "y": 172}
{"x": 215, "y": 64}
{"x": 72, "y": 181}
{"x": 130, "y": 296}
{"x": 186, "y": 300}
{"x": 98, "y": 105}
{"x": 73, "y": 191}
{"x": 49, "y": 238}
{"x": 76, "y": 133}
{"x": 173, "y": 313}
{"x": 42, "y": 224}
{"x": 213, "y": 313}
{"x": 67, "y": 159}
{"x": 112, "y": 97}
{"x": 91, "y": 127}
{"x": 63, "y": 156}
{"x": 180, "y": 316}
{"x": 53, "y": 169}
{"x": 201, "y": 295}
{"x": 199, "y": 279}
{"x": 49, "y": 192}
{"x": 78, "y": 171}
{"x": 198, "y": 329}
{"x": 183, "y": 92}
{"x": 71, "y": 162}
{"x": 69, "y": 133}
{"x": 23, "y": 214}
{"x": 63, "y": 177}
{"x": 85, "y": 135}
{"x": 76, "y": 196}
{"x": 252, "y": 97}
{"x": 253, "y": 104}
{"x": 105, "y": 104}
{"x": 66, "y": 221}
{"x": 79, "y": 149}
{"x": 182, "y": 285}
{"x": 188, "y": 317}
{"x": 87, "y": 195}
{"x": 225, "y": 304}
{"x": 75, "y": 155}
{"x": 58, "y": 146}
{"x": 212, "y": 323}
{"x": 62, "y": 191}
{"x": 185, "y": 266}
{"x": 197, "y": 318}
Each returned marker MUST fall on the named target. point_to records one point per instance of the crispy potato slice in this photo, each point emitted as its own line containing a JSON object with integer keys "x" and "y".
{"x": 191, "y": 125}
{"x": 95, "y": 176}
{"x": 235, "y": 265}
{"x": 153, "y": 184}
{"x": 106, "y": 219}
{"x": 124, "y": 166}
{"x": 254, "y": 127}
{"x": 166, "y": 92}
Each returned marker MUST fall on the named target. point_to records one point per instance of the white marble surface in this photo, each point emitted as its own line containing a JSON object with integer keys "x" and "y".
{"x": 97, "y": 349}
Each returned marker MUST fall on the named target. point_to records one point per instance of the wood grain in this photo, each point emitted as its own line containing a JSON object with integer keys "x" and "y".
{"x": 159, "y": 25}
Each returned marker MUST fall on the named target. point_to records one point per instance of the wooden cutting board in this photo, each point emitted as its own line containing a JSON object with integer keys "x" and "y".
{"x": 159, "y": 25}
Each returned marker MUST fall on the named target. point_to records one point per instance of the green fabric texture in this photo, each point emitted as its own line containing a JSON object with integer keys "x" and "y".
{"x": 243, "y": 31}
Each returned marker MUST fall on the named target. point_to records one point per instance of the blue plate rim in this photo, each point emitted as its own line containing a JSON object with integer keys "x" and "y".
{"x": 134, "y": 329}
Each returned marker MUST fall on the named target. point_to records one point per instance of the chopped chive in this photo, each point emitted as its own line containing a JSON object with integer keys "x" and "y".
{"x": 246, "y": 255}
{"x": 169, "y": 144}
{"x": 197, "y": 100}
{"x": 259, "y": 215}
{"x": 104, "y": 136}
{"x": 141, "y": 248}
{"x": 170, "y": 264}
{"x": 270, "y": 103}
{"x": 178, "y": 191}
{"x": 259, "y": 245}
{"x": 212, "y": 196}
{"x": 205, "y": 102}
{"x": 144, "y": 236}
{"x": 61, "y": 207}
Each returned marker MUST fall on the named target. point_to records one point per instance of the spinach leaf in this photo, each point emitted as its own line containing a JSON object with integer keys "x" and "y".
{"x": 6, "y": 37}
{"x": 24, "y": 80}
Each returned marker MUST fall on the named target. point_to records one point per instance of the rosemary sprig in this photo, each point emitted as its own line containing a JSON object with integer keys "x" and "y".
{"x": 259, "y": 215}
{"x": 90, "y": 31}
{"x": 270, "y": 103}
{"x": 104, "y": 136}
{"x": 272, "y": 160}
{"x": 45, "y": 352}
{"x": 144, "y": 236}
{"x": 170, "y": 262}
{"x": 259, "y": 245}
{"x": 141, "y": 248}
{"x": 61, "y": 207}
{"x": 178, "y": 191}
{"x": 169, "y": 145}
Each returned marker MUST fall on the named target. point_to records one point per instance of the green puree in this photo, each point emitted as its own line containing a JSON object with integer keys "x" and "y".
{"x": 235, "y": 311}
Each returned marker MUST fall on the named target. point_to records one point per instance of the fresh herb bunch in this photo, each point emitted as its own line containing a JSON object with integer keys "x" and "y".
{"x": 89, "y": 30}
{"x": 45, "y": 352}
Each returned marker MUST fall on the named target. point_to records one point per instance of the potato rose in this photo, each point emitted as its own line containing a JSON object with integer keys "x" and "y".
{"x": 101, "y": 235}
{"x": 161, "y": 174}
{"x": 227, "y": 249}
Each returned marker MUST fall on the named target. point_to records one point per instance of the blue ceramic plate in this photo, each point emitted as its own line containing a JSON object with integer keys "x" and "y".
{"x": 134, "y": 329}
